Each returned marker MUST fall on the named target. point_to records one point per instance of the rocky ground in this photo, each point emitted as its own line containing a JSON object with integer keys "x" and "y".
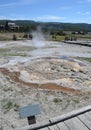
{"x": 42, "y": 75}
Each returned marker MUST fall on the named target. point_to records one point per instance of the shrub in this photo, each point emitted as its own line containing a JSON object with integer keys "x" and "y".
{"x": 30, "y": 36}
{"x": 14, "y": 37}
{"x": 8, "y": 105}
{"x": 57, "y": 100}
{"x": 1, "y": 128}
{"x": 25, "y": 35}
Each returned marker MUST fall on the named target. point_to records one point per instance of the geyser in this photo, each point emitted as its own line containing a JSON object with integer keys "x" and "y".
{"x": 38, "y": 38}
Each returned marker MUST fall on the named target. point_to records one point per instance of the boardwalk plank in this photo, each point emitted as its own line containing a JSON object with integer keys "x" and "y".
{"x": 86, "y": 119}
{"x": 75, "y": 124}
{"x": 54, "y": 127}
{"x": 69, "y": 121}
{"x": 44, "y": 128}
{"x": 62, "y": 126}
{"x": 37, "y": 126}
{"x": 70, "y": 115}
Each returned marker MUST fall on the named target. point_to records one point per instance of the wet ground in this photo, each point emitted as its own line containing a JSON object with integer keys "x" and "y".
{"x": 48, "y": 74}
{"x": 51, "y": 63}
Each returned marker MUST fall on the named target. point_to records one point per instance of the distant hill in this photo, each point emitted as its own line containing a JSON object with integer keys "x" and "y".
{"x": 52, "y": 25}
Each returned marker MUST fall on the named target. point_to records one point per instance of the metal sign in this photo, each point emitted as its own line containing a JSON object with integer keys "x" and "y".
{"x": 29, "y": 111}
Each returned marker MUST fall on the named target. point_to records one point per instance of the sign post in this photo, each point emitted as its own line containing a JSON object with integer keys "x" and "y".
{"x": 29, "y": 112}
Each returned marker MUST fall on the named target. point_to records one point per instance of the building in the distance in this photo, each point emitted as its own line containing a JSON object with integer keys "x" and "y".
{"x": 12, "y": 26}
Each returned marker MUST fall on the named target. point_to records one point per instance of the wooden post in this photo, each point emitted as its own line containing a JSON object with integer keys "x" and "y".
{"x": 30, "y": 112}
{"x": 31, "y": 120}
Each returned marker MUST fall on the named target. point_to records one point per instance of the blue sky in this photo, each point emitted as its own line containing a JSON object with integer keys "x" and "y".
{"x": 74, "y": 11}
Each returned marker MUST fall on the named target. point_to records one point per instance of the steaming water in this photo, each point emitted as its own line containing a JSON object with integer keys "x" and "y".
{"x": 38, "y": 39}
{"x": 38, "y": 43}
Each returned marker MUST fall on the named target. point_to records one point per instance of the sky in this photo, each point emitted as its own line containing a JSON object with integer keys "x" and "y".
{"x": 65, "y": 11}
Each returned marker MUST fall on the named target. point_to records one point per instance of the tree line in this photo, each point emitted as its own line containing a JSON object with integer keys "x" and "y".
{"x": 46, "y": 27}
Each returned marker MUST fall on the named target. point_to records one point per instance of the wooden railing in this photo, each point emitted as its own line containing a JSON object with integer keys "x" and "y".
{"x": 53, "y": 121}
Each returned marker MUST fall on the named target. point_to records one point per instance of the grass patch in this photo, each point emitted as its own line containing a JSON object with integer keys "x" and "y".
{"x": 23, "y": 48}
{"x": 7, "y": 36}
{"x": 1, "y": 128}
{"x": 76, "y": 101}
{"x": 8, "y": 89}
{"x": 57, "y": 38}
{"x": 88, "y": 37}
{"x": 61, "y": 38}
{"x": 57, "y": 100}
{"x": 16, "y": 54}
{"x": 16, "y": 51}
{"x": 4, "y": 50}
{"x": 84, "y": 58}
{"x": 8, "y": 105}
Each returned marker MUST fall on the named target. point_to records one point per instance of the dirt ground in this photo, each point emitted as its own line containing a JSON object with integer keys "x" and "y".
{"x": 45, "y": 73}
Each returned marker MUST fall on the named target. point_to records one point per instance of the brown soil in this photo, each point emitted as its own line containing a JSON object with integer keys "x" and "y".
{"x": 53, "y": 86}
{"x": 49, "y": 86}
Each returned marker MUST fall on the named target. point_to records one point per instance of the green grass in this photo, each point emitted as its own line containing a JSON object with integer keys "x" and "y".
{"x": 16, "y": 54}
{"x": 83, "y": 58}
{"x": 7, "y": 36}
{"x": 4, "y": 50}
{"x": 57, "y": 100}
{"x": 8, "y": 105}
{"x": 4, "y": 38}
{"x": 1, "y": 128}
{"x": 84, "y": 36}
{"x": 76, "y": 101}
{"x": 61, "y": 38}
{"x": 57, "y": 38}
{"x": 16, "y": 51}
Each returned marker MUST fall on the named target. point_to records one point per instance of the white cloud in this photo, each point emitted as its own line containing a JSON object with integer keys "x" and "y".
{"x": 41, "y": 18}
{"x": 7, "y": 5}
{"x": 50, "y": 17}
{"x": 18, "y": 3}
{"x": 15, "y": 17}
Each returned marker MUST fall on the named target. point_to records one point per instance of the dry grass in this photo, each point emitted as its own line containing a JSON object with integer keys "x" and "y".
{"x": 9, "y": 35}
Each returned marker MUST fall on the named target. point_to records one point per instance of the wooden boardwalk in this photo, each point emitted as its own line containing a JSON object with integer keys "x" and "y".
{"x": 83, "y": 43}
{"x": 75, "y": 120}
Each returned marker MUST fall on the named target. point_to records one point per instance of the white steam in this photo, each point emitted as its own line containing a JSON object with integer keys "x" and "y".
{"x": 38, "y": 38}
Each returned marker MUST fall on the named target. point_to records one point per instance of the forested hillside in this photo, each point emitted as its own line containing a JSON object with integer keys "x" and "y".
{"x": 28, "y": 24}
